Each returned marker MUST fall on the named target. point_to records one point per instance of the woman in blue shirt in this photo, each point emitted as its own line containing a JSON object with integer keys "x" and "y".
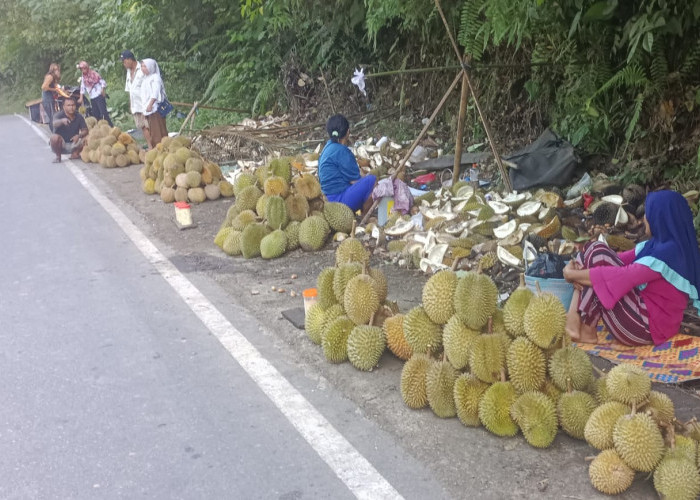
{"x": 339, "y": 172}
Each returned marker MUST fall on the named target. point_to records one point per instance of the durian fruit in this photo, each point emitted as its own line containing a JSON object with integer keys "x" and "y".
{"x": 307, "y": 186}
{"x": 194, "y": 179}
{"x": 456, "y": 339}
{"x": 468, "y": 391}
{"x": 281, "y": 167}
{"x": 243, "y": 219}
{"x": 515, "y": 307}
{"x": 609, "y": 474}
{"x": 571, "y": 369}
{"x": 121, "y": 160}
{"x": 297, "y": 207}
{"x": 276, "y": 186}
{"x": 196, "y": 194}
{"x": 536, "y": 416}
{"x": 660, "y": 406}
{"x": 261, "y": 205}
{"x": 351, "y": 250}
{"x": 339, "y": 216}
{"x": 488, "y": 260}
{"x": 440, "y": 381}
{"x": 395, "y": 338}
{"x": 438, "y": 296}
{"x": 247, "y": 198}
{"x": 683, "y": 447}
{"x": 638, "y": 441}
{"x": 360, "y": 299}
{"x": 292, "y": 231}
{"x": 475, "y": 299}
{"x": 212, "y": 191}
{"x": 487, "y": 356}
{"x": 149, "y": 186}
{"x": 313, "y": 232}
{"x": 324, "y": 286}
{"x": 343, "y": 274}
{"x": 551, "y": 390}
{"x": 544, "y": 320}
{"x": 628, "y": 384}
{"x": 497, "y": 324}
{"x": 677, "y": 478}
{"x": 605, "y": 214}
{"x": 574, "y": 409}
{"x": 413, "y": 381}
{"x": 600, "y": 390}
{"x": 332, "y": 313}
{"x": 251, "y": 238}
{"x": 232, "y": 243}
{"x": 181, "y": 194}
{"x": 380, "y": 284}
{"x": 527, "y": 365}
{"x": 273, "y": 245}
{"x": 422, "y": 335}
{"x": 194, "y": 164}
{"x": 226, "y": 189}
{"x": 599, "y": 428}
{"x": 221, "y": 236}
{"x": 366, "y": 345}
{"x": 335, "y": 339}
{"x": 276, "y": 212}
{"x": 167, "y": 194}
{"x": 494, "y": 409}
{"x": 314, "y": 322}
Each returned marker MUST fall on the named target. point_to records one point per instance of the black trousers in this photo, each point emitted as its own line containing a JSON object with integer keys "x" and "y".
{"x": 99, "y": 109}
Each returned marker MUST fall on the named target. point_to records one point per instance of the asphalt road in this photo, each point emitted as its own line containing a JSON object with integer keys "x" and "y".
{"x": 114, "y": 388}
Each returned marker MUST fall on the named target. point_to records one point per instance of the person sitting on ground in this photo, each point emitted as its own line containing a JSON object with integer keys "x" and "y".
{"x": 640, "y": 294}
{"x": 152, "y": 94}
{"x": 48, "y": 91}
{"x": 339, "y": 172}
{"x": 69, "y": 130}
{"x": 134, "y": 80}
{"x": 95, "y": 87}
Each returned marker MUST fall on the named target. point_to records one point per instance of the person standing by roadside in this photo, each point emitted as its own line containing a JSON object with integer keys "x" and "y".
{"x": 95, "y": 87}
{"x": 70, "y": 131}
{"x": 134, "y": 80}
{"x": 48, "y": 91}
{"x": 152, "y": 94}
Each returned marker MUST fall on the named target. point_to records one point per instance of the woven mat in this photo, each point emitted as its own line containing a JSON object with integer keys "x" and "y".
{"x": 675, "y": 361}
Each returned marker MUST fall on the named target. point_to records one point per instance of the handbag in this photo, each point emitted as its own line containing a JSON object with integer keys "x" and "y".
{"x": 164, "y": 107}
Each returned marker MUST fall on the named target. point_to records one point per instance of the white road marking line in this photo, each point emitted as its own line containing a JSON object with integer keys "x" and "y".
{"x": 360, "y": 476}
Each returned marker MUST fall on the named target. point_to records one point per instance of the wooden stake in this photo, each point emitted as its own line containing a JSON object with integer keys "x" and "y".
{"x": 328, "y": 94}
{"x": 460, "y": 129}
{"x": 189, "y": 115}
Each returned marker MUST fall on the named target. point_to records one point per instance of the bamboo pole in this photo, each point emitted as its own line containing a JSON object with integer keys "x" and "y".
{"x": 189, "y": 115}
{"x": 460, "y": 128}
{"x": 484, "y": 121}
{"x": 203, "y": 106}
{"x": 422, "y": 133}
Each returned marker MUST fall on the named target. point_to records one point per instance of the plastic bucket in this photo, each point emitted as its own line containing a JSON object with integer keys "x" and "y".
{"x": 556, "y": 286}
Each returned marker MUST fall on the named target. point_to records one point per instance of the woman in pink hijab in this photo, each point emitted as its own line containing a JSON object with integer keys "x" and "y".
{"x": 95, "y": 87}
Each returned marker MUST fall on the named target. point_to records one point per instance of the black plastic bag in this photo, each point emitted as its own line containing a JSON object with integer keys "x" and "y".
{"x": 549, "y": 161}
{"x": 547, "y": 265}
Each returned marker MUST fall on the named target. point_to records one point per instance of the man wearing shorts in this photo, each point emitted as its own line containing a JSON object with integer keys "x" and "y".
{"x": 70, "y": 130}
{"x": 134, "y": 79}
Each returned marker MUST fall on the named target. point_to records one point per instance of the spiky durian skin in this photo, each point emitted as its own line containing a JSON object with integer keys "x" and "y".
{"x": 550, "y": 389}
{"x": 351, "y": 250}
{"x": 365, "y": 346}
{"x": 332, "y": 313}
{"x": 440, "y": 381}
{"x": 494, "y": 409}
{"x": 685, "y": 447}
{"x": 475, "y": 299}
{"x": 571, "y": 368}
{"x": 395, "y": 338}
{"x": 574, "y": 409}
{"x": 600, "y": 425}
{"x": 335, "y": 339}
{"x": 487, "y": 356}
{"x": 628, "y": 384}
{"x": 276, "y": 186}
{"x": 677, "y": 479}
{"x": 307, "y": 186}
{"x": 251, "y": 238}
{"x": 544, "y": 320}
{"x": 314, "y": 322}
{"x": 638, "y": 441}
{"x": 395, "y": 246}
{"x": 243, "y": 219}
{"x": 324, "y": 286}
{"x": 413, "y": 381}
{"x": 514, "y": 311}
{"x": 600, "y": 390}
{"x": 438, "y": 296}
{"x": 527, "y": 365}
{"x": 536, "y": 416}
{"x": 297, "y": 207}
{"x": 292, "y": 231}
{"x": 468, "y": 391}
{"x": 421, "y": 334}
{"x": 232, "y": 243}
{"x": 313, "y": 232}
{"x": 343, "y": 274}
{"x": 273, "y": 245}
{"x": 360, "y": 299}
{"x": 660, "y": 406}
{"x": 221, "y": 236}
{"x": 276, "y": 212}
{"x": 497, "y": 325}
{"x": 609, "y": 474}
{"x": 457, "y": 338}
{"x": 339, "y": 216}
{"x": 248, "y": 198}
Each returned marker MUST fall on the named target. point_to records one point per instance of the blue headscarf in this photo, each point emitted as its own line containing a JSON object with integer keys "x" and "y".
{"x": 672, "y": 249}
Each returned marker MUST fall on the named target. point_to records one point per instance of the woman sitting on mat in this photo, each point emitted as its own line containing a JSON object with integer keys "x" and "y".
{"x": 640, "y": 294}
{"x": 339, "y": 172}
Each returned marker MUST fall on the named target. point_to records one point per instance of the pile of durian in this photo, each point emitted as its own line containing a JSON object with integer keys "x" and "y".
{"x": 177, "y": 172}
{"x": 109, "y": 146}
{"x": 276, "y": 212}
{"x": 352, "y": 316}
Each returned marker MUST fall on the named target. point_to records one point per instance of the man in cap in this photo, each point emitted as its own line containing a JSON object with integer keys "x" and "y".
{"x": 134, "y": 79}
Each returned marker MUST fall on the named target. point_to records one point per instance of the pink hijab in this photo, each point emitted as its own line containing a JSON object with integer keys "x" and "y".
{"x": 90, "y": 77}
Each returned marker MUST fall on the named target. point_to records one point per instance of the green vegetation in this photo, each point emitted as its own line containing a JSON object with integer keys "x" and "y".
{"x": 618, "y": 78}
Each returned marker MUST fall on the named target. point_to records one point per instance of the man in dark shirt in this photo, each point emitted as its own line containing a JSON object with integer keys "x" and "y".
{"x": 70, "y": 130}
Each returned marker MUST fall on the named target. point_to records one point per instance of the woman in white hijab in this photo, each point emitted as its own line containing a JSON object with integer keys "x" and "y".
{"x": 152, "y": 94}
